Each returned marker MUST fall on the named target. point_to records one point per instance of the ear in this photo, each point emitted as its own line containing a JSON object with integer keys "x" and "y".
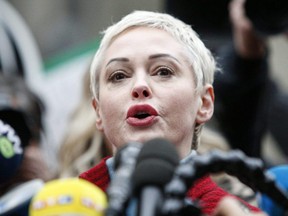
{"x": 95, "y": 104}
{"x": 206, "y": 107}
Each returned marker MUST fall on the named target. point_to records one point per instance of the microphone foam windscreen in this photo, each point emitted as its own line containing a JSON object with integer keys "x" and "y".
{"x": 155, "y": 164}
{"x": 70, "y": 196}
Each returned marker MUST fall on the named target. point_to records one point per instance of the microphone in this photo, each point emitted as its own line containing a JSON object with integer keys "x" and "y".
{"x": 272, "y": 208}
{"x": 154, "y": 168}
{"x": 249, "y": 171}
{"x": 119, "y": 190}
{"x": 11, "y": 151}
{"x": 69, "y": 196}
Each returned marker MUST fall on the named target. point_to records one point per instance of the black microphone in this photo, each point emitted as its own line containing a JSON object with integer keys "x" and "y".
{"x": 249, "y": 171}
{"x": 154, "y": 168}
{"x": 119, "y": 190}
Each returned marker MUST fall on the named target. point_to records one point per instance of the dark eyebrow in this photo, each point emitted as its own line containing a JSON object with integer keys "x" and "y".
{"x": 161, "y": 55}
{"x": 117, "y": 59}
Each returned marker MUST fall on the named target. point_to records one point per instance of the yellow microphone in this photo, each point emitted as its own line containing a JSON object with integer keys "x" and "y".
{"x": 70, "y": 196}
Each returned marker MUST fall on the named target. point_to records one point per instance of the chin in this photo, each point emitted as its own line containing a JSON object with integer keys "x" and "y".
{"x": 146, "y": 137}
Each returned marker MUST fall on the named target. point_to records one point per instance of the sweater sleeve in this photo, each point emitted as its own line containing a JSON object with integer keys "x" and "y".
{"x": 209, "y": 194}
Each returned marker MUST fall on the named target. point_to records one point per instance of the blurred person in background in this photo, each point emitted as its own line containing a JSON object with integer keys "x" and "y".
{"x": 83, "y": 146}
{"x": 23, "y": 110}
{"x": 249, "y": 104}
{"x": 21, "y": 106}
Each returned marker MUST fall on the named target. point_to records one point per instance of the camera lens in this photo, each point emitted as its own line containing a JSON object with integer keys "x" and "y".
{"x": 269, "y": 17}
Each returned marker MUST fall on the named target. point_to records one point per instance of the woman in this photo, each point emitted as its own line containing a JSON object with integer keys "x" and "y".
{"x": 152, "y": 77}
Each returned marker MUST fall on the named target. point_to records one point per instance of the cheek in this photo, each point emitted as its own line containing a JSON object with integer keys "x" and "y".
{"x": 185, "y": 106}
{"x": 111, "y": 109}
{"x": 108, "y": 113}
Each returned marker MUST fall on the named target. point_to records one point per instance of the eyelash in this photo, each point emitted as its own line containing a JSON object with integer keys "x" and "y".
{"x": 113, "y": 76}
{"x": 159, "y": 69}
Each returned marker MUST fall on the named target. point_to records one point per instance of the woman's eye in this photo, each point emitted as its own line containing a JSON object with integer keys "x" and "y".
{"x": 117, "y": 76}
{"x": 164, "y": 71}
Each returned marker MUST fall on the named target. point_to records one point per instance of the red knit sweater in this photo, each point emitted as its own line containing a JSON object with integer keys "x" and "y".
{"x": 205, "y": 190}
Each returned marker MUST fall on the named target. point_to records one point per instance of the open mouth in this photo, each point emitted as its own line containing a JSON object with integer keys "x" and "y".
{"x": 141, "y": 111}
{"x": 141, "y": 115}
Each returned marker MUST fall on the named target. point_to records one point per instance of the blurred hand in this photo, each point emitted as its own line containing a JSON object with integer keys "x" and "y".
{"x": 229, "y": 206}
{"x": 247, "y": 42}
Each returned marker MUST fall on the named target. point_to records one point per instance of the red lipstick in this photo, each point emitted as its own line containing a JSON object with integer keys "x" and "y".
{"x": 141, "y": 115}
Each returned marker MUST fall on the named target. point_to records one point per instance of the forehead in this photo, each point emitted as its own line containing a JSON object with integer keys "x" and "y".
{"x": 145, "y": 40}
{"x": 142, "y": 33}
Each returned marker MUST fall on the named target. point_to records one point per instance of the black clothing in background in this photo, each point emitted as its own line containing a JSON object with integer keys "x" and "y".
{"x": 248, "y": 104}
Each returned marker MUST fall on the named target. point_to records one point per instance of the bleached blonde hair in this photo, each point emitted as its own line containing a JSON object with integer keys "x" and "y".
{"x": 83, "y": 146}
{"x": 202, "y": 61}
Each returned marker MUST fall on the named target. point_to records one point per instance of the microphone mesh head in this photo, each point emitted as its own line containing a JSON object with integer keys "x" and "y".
{"x": 155, "y": 164}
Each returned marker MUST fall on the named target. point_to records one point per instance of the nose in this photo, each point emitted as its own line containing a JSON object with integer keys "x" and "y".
{"x": 141, "y": 91}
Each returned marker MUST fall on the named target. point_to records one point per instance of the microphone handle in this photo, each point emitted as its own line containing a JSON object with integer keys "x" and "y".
{"x": 119, "y": 190}
{"x": 150, "y": 200}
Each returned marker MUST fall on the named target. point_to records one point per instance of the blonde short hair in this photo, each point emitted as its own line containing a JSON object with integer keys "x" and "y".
{"x": 202, "y": 61}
